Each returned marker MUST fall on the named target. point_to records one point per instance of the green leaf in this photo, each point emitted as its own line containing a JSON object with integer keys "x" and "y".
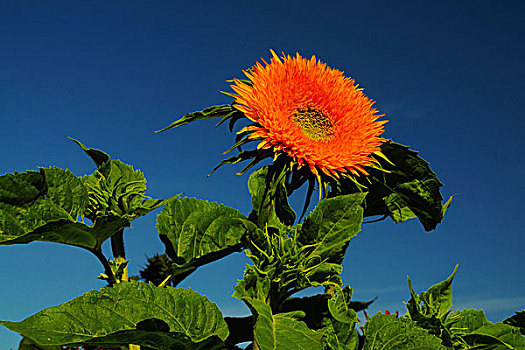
{"x": 339, "y": 306}
{"x": 437, "y": 300}
{"x": 28, "y": 344}
{"x": 45, "y": 206}
{"x": 140, "y": 310}
{"x": 71, "y": 233}
{"x": 254, "y": 285}
{"x": 96, "y": 155}
{"x": 196, "y": 232}
{"x": 222, "y": 111}
{"x": 280, "y": 331}
{"x": 402, "y": 187}
{"x": 414, "y": 185}
{"x": 339, "y": 336}
{"x": 389, "y": 332}
{"x": 476, "y": 330}
{"x": 157, "y": 340}
{"x": 269, "y": 198}
{"x": 116, "y": 188}
{"x": 331, "y": 225}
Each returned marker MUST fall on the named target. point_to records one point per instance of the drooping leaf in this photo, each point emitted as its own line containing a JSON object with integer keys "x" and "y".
{"x": 222, "y": 111}
{"x": 404, "y": 188}
{"x": 140, "y": 310}
{"x": 45, "y": 206}
{"x": 196, "y": 232}
{"x": 389, "y": 332}
{"x": 331, "y": 225}
{"x": 269, "y": 197}
{"x": 280, "y": 331}
{"x": 72, "y": 233}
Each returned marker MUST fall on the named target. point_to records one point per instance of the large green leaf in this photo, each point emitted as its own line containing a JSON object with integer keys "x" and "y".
{"x": 142, "y": 311}
{"x": 281, "y": 331}
{"x": 71, "y": 233}
{"x": 196, "y": 232}
{"x": 331, "y": 225}
{"x": 476, "y": 330}
{"x": 405, "y": 188}
{"x": 28, "y": 344}
{"x": 389, "y": 332}
{"x": 45, "y": 206}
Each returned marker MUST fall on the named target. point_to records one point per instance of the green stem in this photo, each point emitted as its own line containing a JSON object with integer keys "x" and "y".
{"x": 119, "y": 251}
{"x": 117, "y": 245}
{"x": 107, "y": 269}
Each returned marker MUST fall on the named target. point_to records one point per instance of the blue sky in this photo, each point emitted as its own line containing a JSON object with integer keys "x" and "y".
{"x": 448, "y": 75}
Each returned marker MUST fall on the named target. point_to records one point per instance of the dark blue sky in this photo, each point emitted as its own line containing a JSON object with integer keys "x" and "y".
{"x": 449, "y": 76}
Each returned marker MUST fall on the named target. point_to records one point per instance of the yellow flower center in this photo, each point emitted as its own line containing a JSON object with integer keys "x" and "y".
{"x": 314, "y": 124}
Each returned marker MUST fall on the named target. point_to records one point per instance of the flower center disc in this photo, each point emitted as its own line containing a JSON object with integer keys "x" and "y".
{"x": 314, "y": 124}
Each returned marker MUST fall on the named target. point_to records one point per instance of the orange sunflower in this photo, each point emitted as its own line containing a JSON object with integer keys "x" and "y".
{"x": 311, "y": 112}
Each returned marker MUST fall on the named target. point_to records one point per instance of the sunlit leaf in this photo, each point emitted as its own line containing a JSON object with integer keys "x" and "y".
{"x": 281, "y": 331}
{"x": 196, "y": 232}
{"x": 126, "y": 313}
{"x": 46, "y": 206}
{"x": 389, "y": 332}
{"x": 331, "y": 225}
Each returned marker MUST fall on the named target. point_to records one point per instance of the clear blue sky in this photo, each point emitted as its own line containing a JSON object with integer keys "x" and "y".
{"x": 448, "y": 75}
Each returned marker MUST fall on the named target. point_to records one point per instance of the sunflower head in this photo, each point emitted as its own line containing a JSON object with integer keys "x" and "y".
{"x": 310, "y": 112}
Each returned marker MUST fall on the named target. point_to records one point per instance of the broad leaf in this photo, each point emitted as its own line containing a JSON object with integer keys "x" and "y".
{"x": 45, "y": 205}
{"x": 140, "y": 310}
{"x": 331, "y": 225}
{"x": 389, "y": 332}
{"x": 476, "y": 330}
{"x": 281, "y": 332}
{"x": 405, "y": 188}
{"x": 72, "y": 233}
{"x": 28, "y": 344}
{"x": 196, "y": 232}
